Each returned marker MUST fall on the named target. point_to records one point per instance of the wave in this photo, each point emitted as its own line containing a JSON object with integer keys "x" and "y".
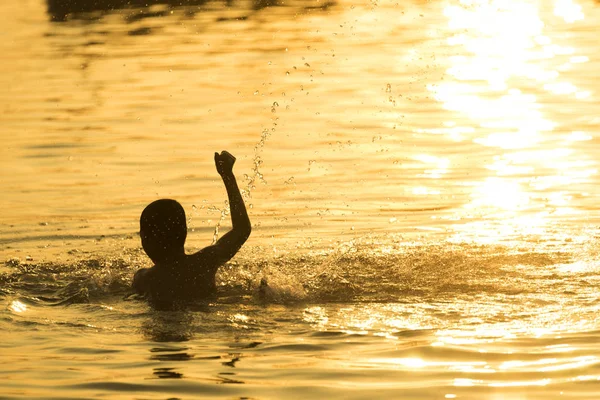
{"x": 371, "y": 270}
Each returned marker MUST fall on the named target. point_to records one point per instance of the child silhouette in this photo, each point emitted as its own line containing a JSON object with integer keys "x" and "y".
{"x": 175, "y": 275}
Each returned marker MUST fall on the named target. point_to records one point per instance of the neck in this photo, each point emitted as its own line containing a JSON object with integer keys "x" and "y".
{"x": 171, "y": 258}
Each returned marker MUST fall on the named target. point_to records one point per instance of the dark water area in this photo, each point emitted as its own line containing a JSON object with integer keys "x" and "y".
{"x": 60, "y": 9}
{"x": 421, "y": 179}
{"x": 89, "y": 10}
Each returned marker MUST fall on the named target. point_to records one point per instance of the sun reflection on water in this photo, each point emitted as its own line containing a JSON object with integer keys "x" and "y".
{"x": 506, "y": 72}
{"x": 568, "y": 10}
{"x": 17, "y": 306}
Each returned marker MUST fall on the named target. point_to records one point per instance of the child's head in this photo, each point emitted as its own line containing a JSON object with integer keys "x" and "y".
{"x": 163, "y": 229}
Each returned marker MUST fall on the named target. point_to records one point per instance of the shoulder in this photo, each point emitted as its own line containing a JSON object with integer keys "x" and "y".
{"x": 213, "y": 256}
{"x": 207, "y": 256}
{"x": 141, "y": 280}
{"x": 205, "y": 262}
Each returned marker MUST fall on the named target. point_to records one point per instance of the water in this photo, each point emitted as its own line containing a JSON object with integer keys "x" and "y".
{"x": 421, "y": 178}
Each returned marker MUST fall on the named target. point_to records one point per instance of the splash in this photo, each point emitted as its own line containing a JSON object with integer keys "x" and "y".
{"x": 79, "y": 281}
{"x": 257, "y": 162}
{"x": 224, "y": 213}
{"x": 252, "y": 178}
{"x": 369, "y": 269}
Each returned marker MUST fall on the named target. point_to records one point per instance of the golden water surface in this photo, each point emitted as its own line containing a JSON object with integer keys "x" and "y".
{"x": 421, "y": 177}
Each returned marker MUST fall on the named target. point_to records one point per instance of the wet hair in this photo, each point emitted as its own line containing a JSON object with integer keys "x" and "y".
{"x": 163, "y": 228}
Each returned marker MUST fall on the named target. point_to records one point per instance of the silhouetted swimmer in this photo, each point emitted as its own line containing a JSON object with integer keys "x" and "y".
{"x": 175, "y": 275}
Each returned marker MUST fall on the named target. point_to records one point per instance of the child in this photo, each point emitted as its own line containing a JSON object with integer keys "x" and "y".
{"x": 175, "y": 275}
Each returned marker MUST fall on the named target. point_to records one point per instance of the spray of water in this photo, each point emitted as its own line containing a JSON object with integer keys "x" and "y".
{"x": 224, "y": 213}
{"x": 250, "y": 179}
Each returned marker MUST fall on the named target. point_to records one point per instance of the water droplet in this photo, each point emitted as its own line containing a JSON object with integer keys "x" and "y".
{"x": 287, "y": 72}
{"x": 307, "y": 65}
{"x": 170, "y": 70}
{"x": 255, "y": 92}
{"x": 388, "y": 88}
{"x": 393, "y": 219}
{"x": 250, "y": 205}
{"x": 275, "y": 104}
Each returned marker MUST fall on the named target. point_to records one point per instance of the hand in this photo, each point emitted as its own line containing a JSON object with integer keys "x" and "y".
{"x": 224, "y": 163}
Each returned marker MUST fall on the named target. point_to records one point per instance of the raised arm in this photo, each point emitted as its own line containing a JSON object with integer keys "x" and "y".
{"x": 232, "y": 241}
